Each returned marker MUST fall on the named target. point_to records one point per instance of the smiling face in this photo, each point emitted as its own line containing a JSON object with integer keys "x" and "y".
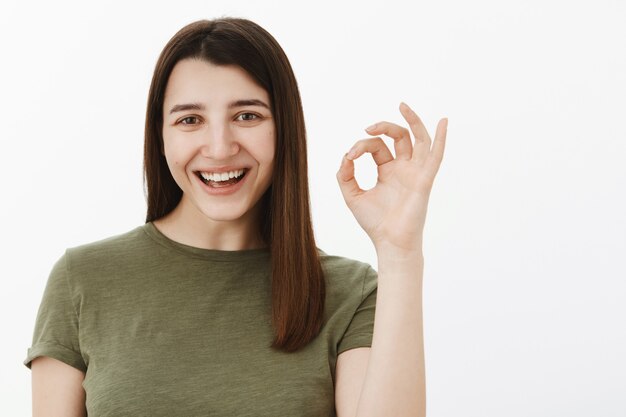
{"x": 219, "y": 139}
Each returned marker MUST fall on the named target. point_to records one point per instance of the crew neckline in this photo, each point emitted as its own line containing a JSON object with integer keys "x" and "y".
{"x": 211, "y": 254}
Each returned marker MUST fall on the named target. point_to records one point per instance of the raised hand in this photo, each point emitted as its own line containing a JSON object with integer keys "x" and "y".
{"x": 393, "y": 213}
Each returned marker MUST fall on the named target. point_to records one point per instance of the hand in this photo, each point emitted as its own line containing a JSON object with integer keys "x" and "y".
{"x": 393, "y": 213}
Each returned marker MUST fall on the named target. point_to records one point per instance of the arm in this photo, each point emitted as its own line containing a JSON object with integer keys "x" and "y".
{"x": 57, "y": 389}
{"x": 388, "y": 379}
{"x": 350, "y": 375}
{"x": 395, "y": 382}
{"x": 393, "y": 214}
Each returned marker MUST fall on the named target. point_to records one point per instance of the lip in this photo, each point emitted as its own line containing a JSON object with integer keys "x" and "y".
{"x": 231, "y": 189}
{"x": 223, "y": 168}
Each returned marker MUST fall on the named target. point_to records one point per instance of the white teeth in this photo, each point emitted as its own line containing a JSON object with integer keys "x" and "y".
{"x": 221, "y": 176}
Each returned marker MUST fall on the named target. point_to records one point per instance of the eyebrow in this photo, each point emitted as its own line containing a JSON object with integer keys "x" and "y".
{"x": 200, "y": 106}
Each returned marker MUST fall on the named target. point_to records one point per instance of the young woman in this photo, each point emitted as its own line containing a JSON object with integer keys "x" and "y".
{"x": 221, "y": 303}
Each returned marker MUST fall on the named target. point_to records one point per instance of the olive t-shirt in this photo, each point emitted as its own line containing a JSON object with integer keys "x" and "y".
{"x": 165, "y": 329}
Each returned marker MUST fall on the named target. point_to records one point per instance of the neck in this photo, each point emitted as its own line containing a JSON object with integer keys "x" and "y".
{"x": 187, "y": 225}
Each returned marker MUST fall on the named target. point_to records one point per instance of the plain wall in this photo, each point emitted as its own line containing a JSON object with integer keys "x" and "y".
{"x": 524, "y": 281}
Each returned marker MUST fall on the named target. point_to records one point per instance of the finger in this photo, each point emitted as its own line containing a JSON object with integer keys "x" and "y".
{"x": 439, "y": 144}
{"x": 401, "y": 137}
{"x": 347, "y": 183}
{"x": 422, "y": 138}
{"x": 380, "y": 152}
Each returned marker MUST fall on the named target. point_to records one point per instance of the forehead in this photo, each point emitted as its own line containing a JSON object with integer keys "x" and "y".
{"x": 201, "y": 81}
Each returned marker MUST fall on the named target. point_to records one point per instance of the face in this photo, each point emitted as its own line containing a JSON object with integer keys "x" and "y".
{"x": 219, "y": 140}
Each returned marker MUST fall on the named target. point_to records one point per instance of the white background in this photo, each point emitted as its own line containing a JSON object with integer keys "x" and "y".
{"x": 525, "y": 240}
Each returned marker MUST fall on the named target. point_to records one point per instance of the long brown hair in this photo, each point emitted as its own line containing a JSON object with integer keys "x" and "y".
{"x": 298, "y": 288}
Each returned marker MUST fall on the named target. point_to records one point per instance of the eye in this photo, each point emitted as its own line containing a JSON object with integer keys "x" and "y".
{"x": 189, "y": 120}
{"x": 249, "y": 119}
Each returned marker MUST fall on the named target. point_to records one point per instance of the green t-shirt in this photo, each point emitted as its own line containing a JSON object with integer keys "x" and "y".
{"x": 165, "y": 329}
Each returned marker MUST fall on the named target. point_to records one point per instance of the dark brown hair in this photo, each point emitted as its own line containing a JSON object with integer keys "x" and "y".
{"x": 298, "y": 288}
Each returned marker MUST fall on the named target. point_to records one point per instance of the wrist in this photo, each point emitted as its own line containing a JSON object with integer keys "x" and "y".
{"x": 399, "y": 265}
{"x": 394, "y": 262}
{"x": 385, "y": 251}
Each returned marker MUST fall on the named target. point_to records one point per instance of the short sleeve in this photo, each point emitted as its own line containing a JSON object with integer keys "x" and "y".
{"x": 361, "y": 329}
{"x": 56, "y": 326}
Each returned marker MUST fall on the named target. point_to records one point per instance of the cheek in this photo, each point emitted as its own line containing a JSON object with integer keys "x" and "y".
{"x": 170, "y": 156}
{"x": 270, "y": 145}
{"x": 175, "y": 154}
{"x": 172, "y": 164}
{"x": 260, "y": 146}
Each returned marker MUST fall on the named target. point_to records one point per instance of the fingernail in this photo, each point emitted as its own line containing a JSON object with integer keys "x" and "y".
{"x": 351, "y": 154}
{"x": 372, "y": 127}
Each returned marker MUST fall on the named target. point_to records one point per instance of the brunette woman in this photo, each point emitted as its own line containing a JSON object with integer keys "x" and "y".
{"x": 220, "y": 303}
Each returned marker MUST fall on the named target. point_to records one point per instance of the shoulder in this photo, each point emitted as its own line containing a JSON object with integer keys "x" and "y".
{"x": 97, "y": 254}
{"x": 346, "y": 275}
{"x": 342, "y": 265}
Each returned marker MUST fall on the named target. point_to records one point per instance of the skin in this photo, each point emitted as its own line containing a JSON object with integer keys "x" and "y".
{"x": 393, "y": 214}
{"x": 57, "y": 389}
{"x": 386, "y": 379}
{"x": 217, "y": 135}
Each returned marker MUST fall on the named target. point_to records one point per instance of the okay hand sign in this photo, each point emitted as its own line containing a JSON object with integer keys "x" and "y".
{"x": 393, "y": 213}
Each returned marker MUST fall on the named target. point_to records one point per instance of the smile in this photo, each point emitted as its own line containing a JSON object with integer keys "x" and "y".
{"x": 221, "y": 179}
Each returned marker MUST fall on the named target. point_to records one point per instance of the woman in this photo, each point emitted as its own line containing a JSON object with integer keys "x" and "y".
{"x": 221, "y": 304}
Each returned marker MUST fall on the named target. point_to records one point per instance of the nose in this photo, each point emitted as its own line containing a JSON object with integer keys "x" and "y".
{"x": 219, "y": 143}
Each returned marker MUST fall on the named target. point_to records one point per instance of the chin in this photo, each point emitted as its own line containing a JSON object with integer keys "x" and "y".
{"x": 224, "y": 215}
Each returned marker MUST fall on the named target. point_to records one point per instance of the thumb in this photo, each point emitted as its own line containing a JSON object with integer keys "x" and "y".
{"x": 347, "y": 183}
